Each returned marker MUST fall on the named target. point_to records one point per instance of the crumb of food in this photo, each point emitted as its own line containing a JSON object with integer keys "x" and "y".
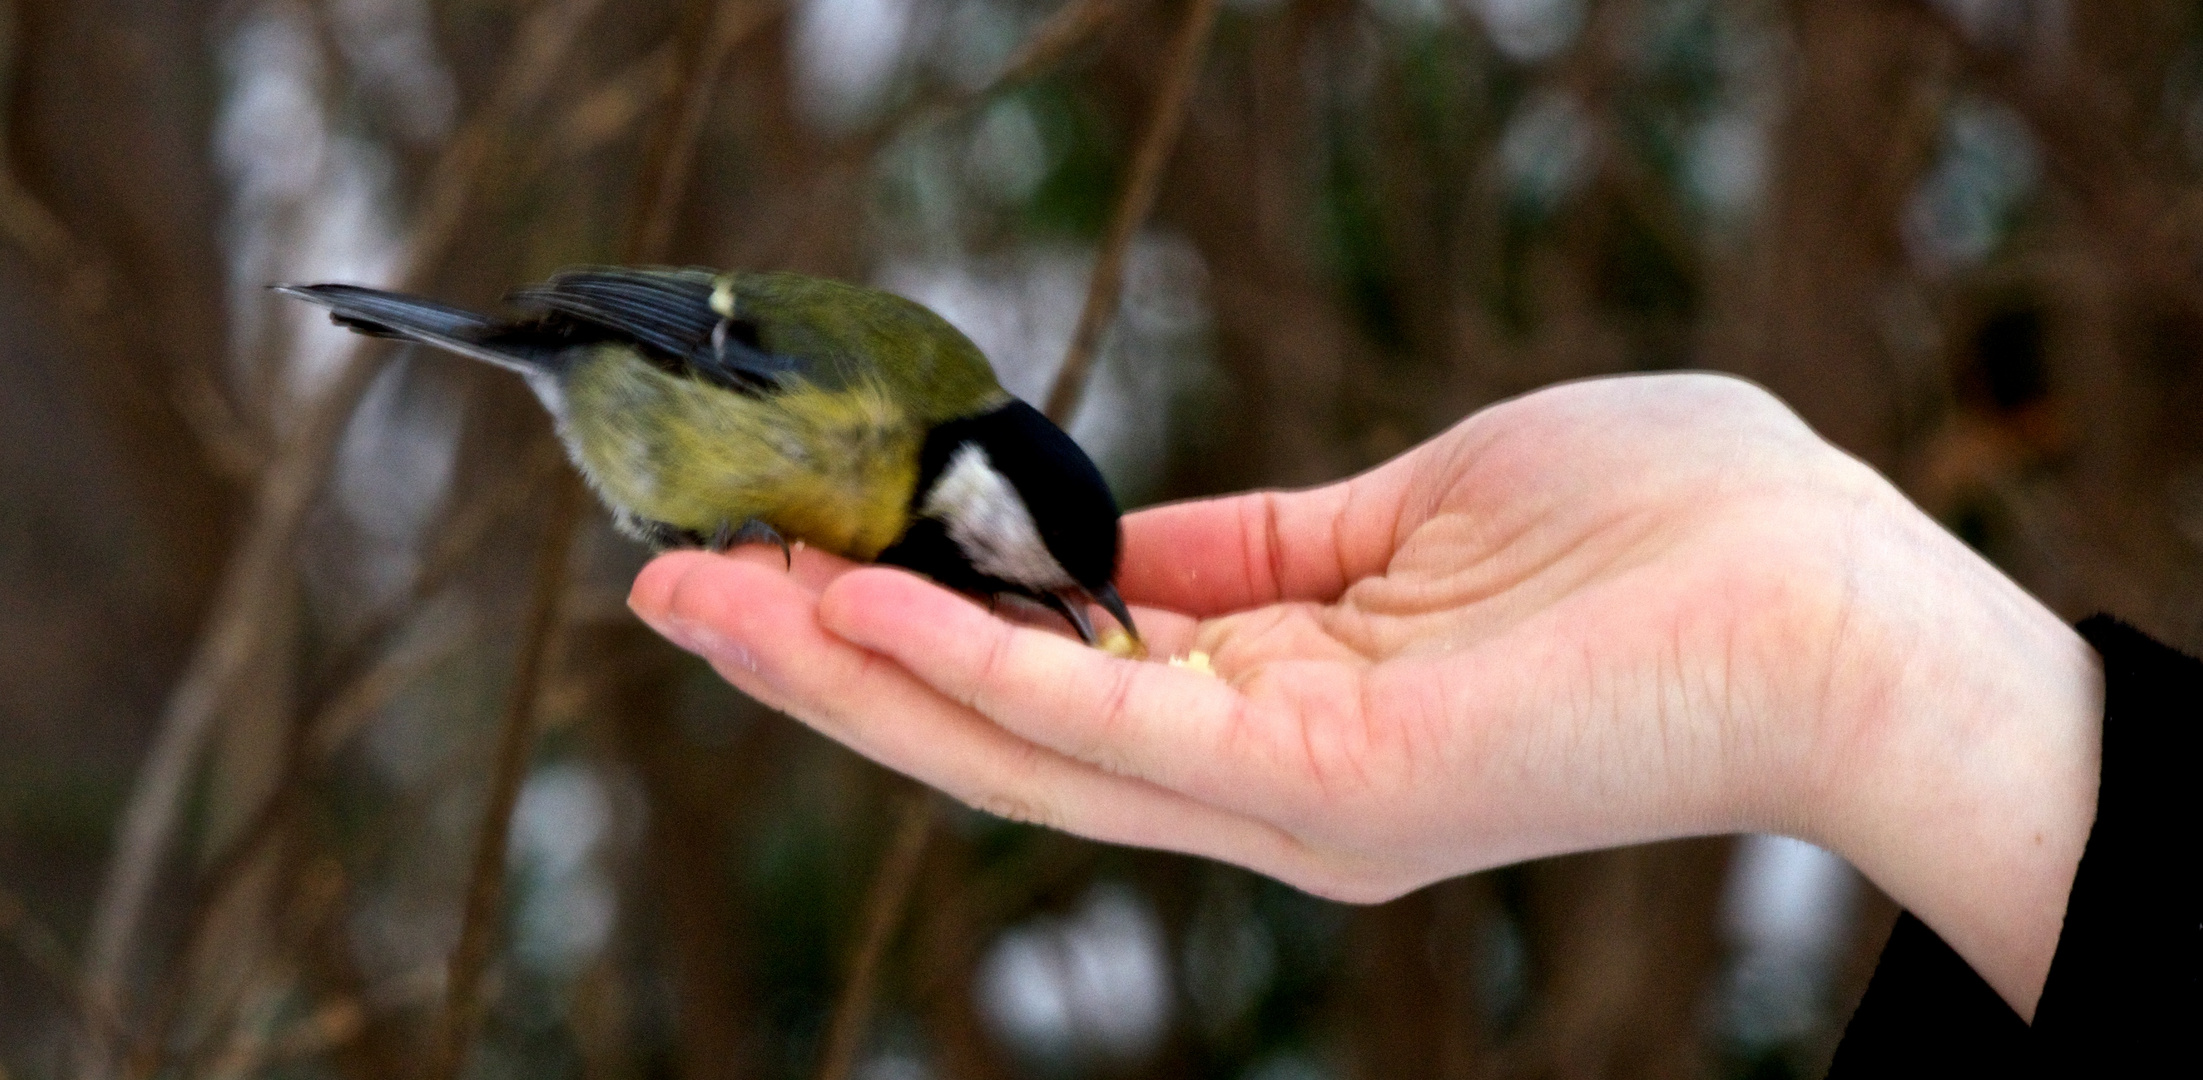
{"x": 1194, "y": 661}
{"x": 1119, "y": 644}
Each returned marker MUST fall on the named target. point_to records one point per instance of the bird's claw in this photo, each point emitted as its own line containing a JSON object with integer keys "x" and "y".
{"x": 753, "y": 531}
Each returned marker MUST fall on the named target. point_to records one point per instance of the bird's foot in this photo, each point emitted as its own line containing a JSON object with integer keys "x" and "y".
{"x": 661, "y": 536}
{"x": 753, "y": 531}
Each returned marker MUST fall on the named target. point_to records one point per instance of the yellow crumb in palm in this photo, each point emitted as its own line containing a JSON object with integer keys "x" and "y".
{"x": 1194, "y": 661}
{"x": 1119, "y": 644}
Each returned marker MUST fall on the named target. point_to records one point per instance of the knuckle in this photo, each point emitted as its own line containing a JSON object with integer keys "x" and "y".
{"x": 1116, "y": 717}
{"x": 994, "y": 665}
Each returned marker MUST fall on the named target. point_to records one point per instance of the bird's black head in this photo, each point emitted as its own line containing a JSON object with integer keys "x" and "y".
{"x": 1007, "y": 503}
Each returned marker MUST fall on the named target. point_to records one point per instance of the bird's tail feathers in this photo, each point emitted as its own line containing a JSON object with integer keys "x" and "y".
{"x": 377, "y": 313}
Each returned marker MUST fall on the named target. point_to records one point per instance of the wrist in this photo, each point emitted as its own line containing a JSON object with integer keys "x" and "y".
{"x": 1960, "y": 748}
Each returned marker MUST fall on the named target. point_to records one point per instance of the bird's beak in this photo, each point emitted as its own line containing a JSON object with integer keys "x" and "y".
{"x": 1107, "y": 597}
{"x": 1071, "y": 604}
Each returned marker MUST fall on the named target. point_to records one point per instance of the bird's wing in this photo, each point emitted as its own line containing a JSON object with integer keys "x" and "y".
{"x": 669, "y": 313}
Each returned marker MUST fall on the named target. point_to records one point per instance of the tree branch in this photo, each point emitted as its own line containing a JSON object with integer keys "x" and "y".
{"x": 515, "y": 739}
{"x": 43, "y": 948}
{"x": 1106, "y": 287}
{"x": 668, "y": 167}
{"x": 1068, "y": 28}
{"x": 884, "y": 908}
{"x": 231, "y": 639}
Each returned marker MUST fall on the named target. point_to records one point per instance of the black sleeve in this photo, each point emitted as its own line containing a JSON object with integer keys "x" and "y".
{"x": 2122, "y": 996}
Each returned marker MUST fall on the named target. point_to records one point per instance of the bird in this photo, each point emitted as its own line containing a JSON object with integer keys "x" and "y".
{"x": 710, "y": 408}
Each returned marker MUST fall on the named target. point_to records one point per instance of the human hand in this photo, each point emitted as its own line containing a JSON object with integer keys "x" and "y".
{"x": 1608, "y": 612}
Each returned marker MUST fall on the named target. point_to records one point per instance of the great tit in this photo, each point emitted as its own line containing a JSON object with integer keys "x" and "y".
{"x": 709, "y": 409}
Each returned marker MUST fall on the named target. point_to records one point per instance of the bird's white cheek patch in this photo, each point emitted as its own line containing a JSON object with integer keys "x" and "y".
{"x": 991, "y": 524}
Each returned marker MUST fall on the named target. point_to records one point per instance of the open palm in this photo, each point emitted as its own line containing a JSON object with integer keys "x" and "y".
{"x": 1606, "y": 612}
{"x": 1610, "y": 611}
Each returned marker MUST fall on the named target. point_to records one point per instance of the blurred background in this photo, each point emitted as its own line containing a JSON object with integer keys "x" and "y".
{"x": 328, "y": 748}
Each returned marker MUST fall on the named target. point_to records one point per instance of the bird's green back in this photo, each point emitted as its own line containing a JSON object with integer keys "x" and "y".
{"x": 842, "y": 334}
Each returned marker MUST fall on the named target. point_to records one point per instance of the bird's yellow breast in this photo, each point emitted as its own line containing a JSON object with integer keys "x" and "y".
{"x": 834, "y": 469}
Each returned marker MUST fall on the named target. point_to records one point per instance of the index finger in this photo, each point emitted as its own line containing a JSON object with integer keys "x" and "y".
{"x": 1180, "y": 730}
